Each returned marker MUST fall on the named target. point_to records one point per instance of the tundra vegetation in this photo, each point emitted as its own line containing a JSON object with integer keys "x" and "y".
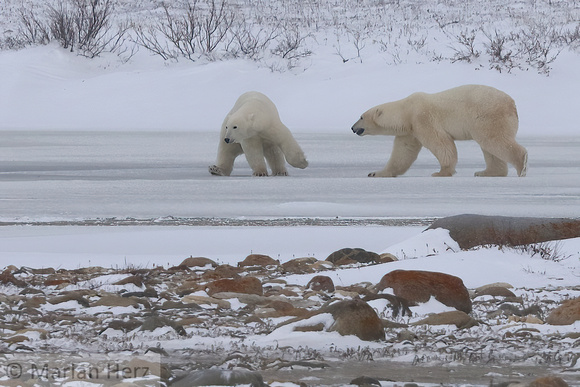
{"x": 522, "y": 35}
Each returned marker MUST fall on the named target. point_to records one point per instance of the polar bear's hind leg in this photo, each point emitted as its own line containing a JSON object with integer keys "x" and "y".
{"x": 275, "y": 159}
{"x": 494, "y": 166}
{"x": 254, "y": 152}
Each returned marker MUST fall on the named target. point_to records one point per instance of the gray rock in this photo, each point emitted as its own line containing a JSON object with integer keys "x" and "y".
{"x": 470, "y": 230}
{"x": 217, "y": 377}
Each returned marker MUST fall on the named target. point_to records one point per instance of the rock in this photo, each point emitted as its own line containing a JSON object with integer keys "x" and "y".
{"x": 133, "y": 279}
{"x": 549, "y": 381}
{"x": 365, "y": 381}
{"x": 222, "y": 271}
{"x": 114, "y": 300}
{"x": 34, "y": 302}
{"x": 470, "y": 230}
{"x": 321, "y": 283}
{"x": 458, "y": 318}
{"x": 198, "y": 262}
{"x": 494, "y": 285}
{"x": 70, "y": 296}
{"x": 6, "y": 277}
{"x": 215, "y": 377}
{"x": 565, "y": 314}
{"x": 310, "y": 328}
{"x": 387, "y": 257}
{"x": 246, "y": 285}
{"x": 419, "y": 286}
{"x": 148, "y": 292}
{"x": 153, "y": 322}
{"x": 43, "y": 271}
{"x": 349, "y": 256}
{"x": 167, "y": 305}
{"x": 355, "y": 317}
{"x": 299, "y": 265}
{"x": 258, "y": 260}
{"x": 122, "y": 325}
{"x": 525, "y": 319}
{"x": 199, "y": 300}
{"x": 495, "y": 291}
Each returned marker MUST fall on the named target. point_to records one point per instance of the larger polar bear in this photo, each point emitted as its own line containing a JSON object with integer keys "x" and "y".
{"x": 435, "y": 121}
{"x": 253, "y": 127}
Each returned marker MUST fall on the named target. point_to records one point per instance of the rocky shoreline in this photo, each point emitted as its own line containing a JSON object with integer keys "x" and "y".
{"x": 198, "y": 317}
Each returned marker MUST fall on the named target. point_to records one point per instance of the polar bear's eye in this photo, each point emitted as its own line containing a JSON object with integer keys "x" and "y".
{"x": 235, "y": 127}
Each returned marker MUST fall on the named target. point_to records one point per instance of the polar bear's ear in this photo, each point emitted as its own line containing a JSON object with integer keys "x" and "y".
{"x": 377, "y": 113}
{"x": 251, "y": 117}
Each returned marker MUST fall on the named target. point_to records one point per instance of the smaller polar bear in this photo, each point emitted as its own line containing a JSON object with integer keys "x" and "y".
{"x": 253, "y": 127}
{"x": 436, "y": 121}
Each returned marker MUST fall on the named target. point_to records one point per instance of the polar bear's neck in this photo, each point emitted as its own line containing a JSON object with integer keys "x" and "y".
{"x": 395, "y": 117}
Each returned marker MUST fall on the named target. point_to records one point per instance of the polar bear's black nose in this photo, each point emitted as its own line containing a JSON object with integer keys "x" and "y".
{"x": 227, "y": 140}
{"x": 358, "y": 131}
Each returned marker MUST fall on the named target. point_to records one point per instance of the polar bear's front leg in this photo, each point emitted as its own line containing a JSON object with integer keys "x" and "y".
{"x": 443, "y": 148}
{"x": 404, "y": 153}
{"x": 254, "y": 151}
{"x": 227, "y": 154}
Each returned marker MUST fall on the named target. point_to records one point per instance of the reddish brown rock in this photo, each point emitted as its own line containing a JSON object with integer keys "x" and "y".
{"x": 258, "y": 260}
{"x": 565, "y": 314}
{"x": 321, "y": 283}
{"x": 247, "y": 285}
{"x": 549, "y": 381}
{"x": 198, "y": 262}
{"x": 420, "y": 286}
{"x": 222, "y": 271}
{"x": 6, "y": 277}
{"x": 458, "y": 318}
{"x": 299, "y": 265}
{"x": 356, "y": 317}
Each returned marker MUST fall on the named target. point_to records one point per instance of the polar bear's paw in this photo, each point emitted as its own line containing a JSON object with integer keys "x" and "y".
{"x": 381, "y": 174}
{"x": 260, "y": 174}
{"x": 215, "y": 170}
{"x": 280, "y": 174}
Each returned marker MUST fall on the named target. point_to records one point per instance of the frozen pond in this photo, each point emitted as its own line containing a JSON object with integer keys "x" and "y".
{"x": 86, "y": 175}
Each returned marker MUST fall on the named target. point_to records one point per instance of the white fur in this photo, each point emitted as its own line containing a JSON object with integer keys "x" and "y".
{"x": 253, "y": 127}
{"x": 435, "y": 121}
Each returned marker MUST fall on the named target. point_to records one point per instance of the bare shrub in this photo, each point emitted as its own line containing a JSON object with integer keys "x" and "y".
{"x": 502, "y": 56}
{"x": 290, "y": 44}
{"x": 82, "y": 25}
{"x": 31, "y": 29}
{"x": 548, "y": 251}
{"x": 215, "y": 26}
{"x": 540, "y": 46}
{"x": 466, "y": 52}
{"x": 62, "y": 24}
{"x": 251, "y": 42}
{"x": 190, "y": 31}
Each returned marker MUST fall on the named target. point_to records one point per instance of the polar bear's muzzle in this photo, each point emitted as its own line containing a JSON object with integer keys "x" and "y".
{"x": 358, "y": 131}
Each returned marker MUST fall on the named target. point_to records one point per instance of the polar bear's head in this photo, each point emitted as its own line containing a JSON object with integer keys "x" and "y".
{"x": 368, "y": 123}
{"x": 239, "y": 126}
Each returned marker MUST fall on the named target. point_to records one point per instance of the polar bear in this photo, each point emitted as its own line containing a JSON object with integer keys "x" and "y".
{"x": 435, "y": 121}
{"x": 253, "y": 127}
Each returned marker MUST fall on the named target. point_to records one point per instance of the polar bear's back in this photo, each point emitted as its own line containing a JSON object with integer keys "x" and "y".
{"x": 470, "y": 110}
{"x": 256, "y": 102}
